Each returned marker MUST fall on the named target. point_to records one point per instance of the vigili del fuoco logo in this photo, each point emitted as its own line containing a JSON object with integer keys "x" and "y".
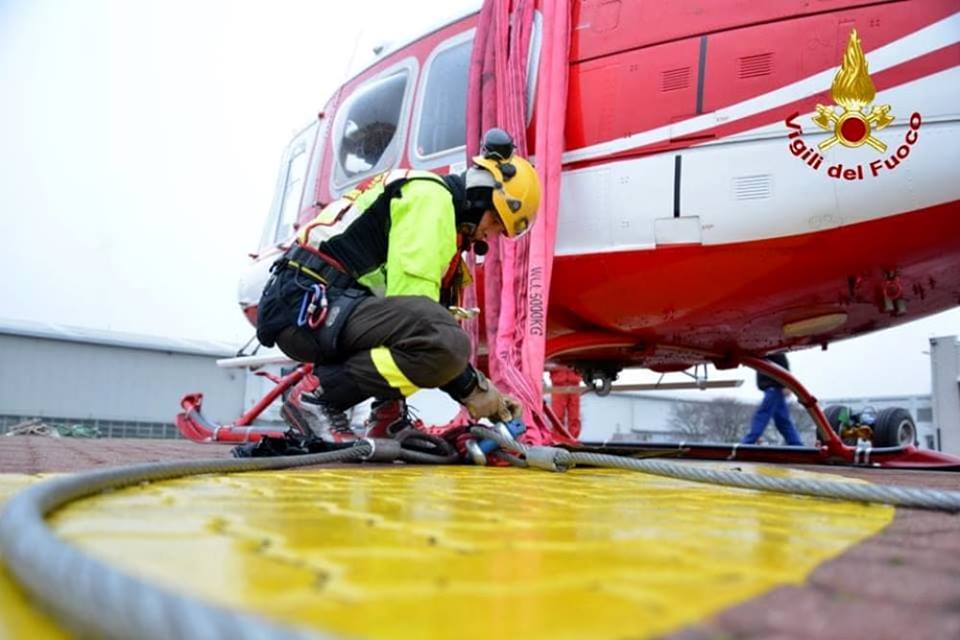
{"x": 852, "y": 121}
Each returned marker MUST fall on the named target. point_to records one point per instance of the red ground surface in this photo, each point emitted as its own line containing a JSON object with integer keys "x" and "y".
{"x": 902, "y": 583}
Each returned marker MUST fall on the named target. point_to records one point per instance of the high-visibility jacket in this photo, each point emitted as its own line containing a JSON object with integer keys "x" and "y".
{"x": 396, "y": 233}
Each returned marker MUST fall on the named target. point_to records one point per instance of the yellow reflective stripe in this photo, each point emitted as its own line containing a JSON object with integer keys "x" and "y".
{"x": 307, "y": 270}
{"x": 386, "y": 367}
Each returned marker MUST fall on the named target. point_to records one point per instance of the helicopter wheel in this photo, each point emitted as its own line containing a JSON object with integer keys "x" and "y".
{"x": 601, "y": 385}
{"x": 895, "y": 428}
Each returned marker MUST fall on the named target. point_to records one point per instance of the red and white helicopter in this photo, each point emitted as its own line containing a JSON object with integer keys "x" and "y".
{"x": 739, "y": 178}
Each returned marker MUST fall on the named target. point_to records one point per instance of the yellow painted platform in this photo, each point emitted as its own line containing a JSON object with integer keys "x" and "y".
{"x": 431, "y": 552}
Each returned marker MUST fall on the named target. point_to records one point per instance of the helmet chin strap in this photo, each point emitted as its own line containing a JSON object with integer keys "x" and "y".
{"x": 479, "y": 200}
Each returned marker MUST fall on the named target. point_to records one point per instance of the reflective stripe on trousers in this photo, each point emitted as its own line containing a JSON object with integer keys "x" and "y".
{"x": 391, "y": 347}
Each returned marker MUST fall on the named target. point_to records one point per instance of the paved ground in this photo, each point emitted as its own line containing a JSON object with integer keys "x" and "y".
{"x": 903, "y": 582}
{"x": 38, "y": 454}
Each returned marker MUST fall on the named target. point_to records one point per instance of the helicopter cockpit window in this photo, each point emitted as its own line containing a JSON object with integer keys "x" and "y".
{"x": 368, "y": 140}
{"x": 285, "y": 209}
{"x": 292, "y": 191}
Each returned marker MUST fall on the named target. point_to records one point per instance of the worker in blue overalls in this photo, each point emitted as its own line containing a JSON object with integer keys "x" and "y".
{"x": 774, "y": 405}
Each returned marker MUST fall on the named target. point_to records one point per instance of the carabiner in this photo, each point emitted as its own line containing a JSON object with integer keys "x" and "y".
{"x": 478, "y": 450}
{"x": 313, "y": 309}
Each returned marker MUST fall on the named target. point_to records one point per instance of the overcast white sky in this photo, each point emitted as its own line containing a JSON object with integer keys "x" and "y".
{"x": 139, "y": 144}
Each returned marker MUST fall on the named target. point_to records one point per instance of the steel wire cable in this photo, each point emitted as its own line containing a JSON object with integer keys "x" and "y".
{"x": 421, "y": 457}
{"x": 555, "y": 459}
{"x": 93, "y": 599}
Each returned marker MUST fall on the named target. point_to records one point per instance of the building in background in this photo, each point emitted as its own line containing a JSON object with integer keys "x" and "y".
{"x": 630, "y": 417}
{"x": 129, "y": 385}
{"x": 125, "y": 385}
{"x": 945, "y": 387}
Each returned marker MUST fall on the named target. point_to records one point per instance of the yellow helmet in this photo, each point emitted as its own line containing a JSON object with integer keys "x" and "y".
{"x": 515, "y": 183}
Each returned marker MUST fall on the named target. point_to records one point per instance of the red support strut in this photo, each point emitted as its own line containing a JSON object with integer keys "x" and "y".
{"x": 195, "y": 426}
{"x": 833, "y": 450}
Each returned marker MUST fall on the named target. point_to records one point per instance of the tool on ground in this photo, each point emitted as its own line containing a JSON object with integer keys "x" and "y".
{"x": 463, "y": 313}
{"x": 478, "y": 450}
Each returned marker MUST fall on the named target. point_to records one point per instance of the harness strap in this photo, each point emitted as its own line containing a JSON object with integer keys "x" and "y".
{"x": 293, "y": 264}
{"x": 317, "y": 268}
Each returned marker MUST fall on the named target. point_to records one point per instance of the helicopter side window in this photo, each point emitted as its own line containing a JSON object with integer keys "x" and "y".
{"x": 440, "y": 128}
{"x": 442, "y": 125}
{"x": 367, "y": 140}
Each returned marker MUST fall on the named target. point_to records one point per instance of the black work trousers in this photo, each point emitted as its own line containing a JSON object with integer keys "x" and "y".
{"x": 389, "y": 348}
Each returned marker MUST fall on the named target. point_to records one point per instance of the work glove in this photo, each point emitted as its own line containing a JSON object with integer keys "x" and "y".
{"x": 486, "y": 401}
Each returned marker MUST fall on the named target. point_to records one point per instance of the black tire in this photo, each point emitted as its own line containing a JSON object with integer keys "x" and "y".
{"x": 832, "y": 414}
{"x": 894, "y": 428}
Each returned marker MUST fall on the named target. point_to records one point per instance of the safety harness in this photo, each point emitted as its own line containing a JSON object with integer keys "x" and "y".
{"x": 307, "y": 258}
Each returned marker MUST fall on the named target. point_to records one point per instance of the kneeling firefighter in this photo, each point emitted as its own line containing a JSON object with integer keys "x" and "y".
{"x": 363, "y": 292}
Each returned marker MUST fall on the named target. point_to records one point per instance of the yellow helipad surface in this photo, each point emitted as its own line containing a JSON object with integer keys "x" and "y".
{"x": 460, "y": 552}
{"x": 17, "y": 618}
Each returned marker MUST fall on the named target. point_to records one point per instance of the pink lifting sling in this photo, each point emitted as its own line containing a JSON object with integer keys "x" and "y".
{"x": 517, "y": 273}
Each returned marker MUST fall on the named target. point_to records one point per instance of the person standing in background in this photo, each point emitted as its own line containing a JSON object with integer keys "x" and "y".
{"x": 774, "y": 405}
